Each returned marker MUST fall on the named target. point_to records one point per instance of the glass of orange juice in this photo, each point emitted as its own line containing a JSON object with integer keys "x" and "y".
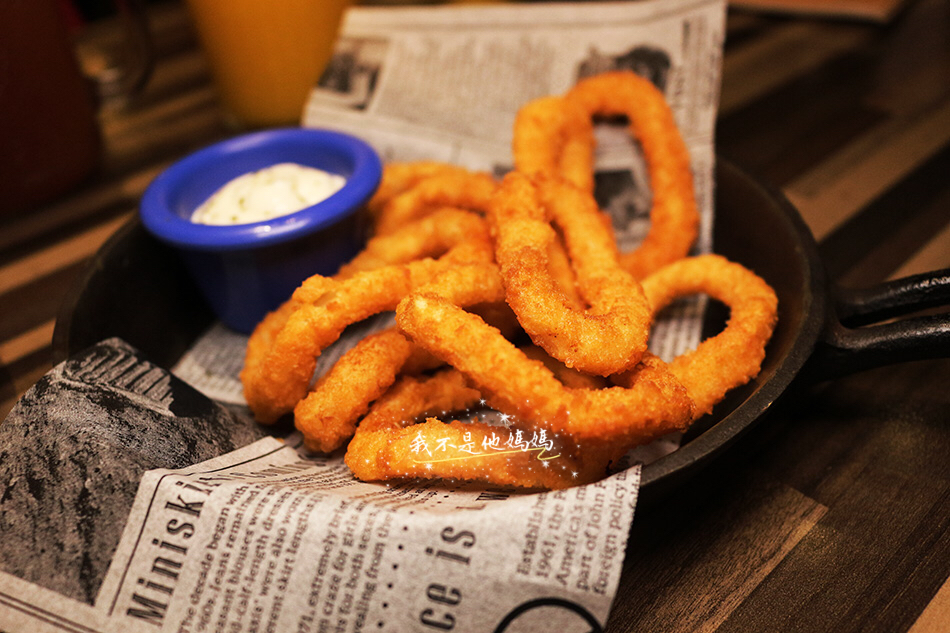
{"x": 266, "y": 56}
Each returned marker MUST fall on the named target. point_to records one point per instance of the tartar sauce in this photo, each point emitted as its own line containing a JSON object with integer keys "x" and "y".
{"x": 268, "y": 193}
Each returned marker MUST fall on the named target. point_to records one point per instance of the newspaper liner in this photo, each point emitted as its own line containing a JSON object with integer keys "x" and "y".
{"x": 268, "y": 538}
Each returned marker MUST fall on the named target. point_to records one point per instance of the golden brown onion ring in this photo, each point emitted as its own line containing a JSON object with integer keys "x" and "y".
{"x": 555, "y": 137}
{"x": 456, "y": 189}
{"x": 389, "y": 444}
{"x": 734, "y": 356}
{"x": 402, "y": 176}
{"x": 429, "y": 236}
{"x": 651, "y": 404}
{"x": 282, "y": 351}
{"x": 611, "y": 335}
{"x": 674, "y": 217}
{"x": 327, "y": 417}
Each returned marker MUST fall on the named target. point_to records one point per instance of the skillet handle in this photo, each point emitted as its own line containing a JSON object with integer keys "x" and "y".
{"x": 893, "y": 298}
{"x": 845, "y": 347}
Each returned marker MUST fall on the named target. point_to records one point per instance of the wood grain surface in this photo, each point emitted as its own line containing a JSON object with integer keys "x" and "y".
{"x": 832, "y": 516}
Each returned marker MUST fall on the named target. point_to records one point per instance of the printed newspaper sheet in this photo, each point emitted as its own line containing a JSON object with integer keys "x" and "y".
{"x": 271, "y": 540}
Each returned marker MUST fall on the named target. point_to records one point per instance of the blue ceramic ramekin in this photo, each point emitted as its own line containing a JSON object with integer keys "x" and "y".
{"x": 247, "y": 270}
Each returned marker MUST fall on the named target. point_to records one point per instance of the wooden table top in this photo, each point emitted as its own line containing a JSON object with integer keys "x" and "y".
{"x": 834, "y": 515}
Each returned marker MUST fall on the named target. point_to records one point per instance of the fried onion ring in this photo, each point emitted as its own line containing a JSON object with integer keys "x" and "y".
{"x": 651, "y": 403}
{"x": 429, "y": 236}
{"x": 418, "y": 397}
{"x": 282, "y": 351}
{"x": 402, "y": 176}
{"x": 457, "y": 189}
{"x": 389, "y": 444}
{"x": 734, "y": 356}
{"x": 327, "y": 417}
{"x": 608, "y": 338}
{"x": 555, "y": 137}
{"x": 674, "y": 217}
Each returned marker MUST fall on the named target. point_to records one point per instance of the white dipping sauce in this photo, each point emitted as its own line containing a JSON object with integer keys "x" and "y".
{"x": 269, "y": 193}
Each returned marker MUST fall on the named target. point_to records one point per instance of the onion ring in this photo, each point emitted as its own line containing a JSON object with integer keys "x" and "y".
{"x": 327, "y": 416}
{"x": 674, "y": 217}
{"x": 567, "y": 152}
{"x": 282, "y": 350}
{"x": 608, "y": 338}
{"x": 651, "y": 403}
{"x": 430, "y": 236}
{"x": 734, "y": 356}
{"x": 401, "y": 176}
{"x": 388, "y": 443}
{"x": 555, "y": 137}
{"x": 454, "y": 188}
{"x": 417, "y": 397}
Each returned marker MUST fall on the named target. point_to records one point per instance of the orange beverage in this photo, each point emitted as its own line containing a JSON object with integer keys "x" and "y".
{"x": 266, "y": 56}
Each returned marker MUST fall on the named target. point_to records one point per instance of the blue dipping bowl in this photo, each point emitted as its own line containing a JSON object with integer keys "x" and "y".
{"x": 247, "y": 270}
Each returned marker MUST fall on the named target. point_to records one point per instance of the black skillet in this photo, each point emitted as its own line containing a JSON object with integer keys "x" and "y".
{"x": 135, "y": 289}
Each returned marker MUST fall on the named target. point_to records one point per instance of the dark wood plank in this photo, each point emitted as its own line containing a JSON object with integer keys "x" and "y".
{"x": 793, "y": 128}
{"x": 38, "y": 301}
{"x": 880, "y": 553}
{"x": 874, "y": 242}
{"x": 694, "y": 560}
{"x": 20, "y": 375}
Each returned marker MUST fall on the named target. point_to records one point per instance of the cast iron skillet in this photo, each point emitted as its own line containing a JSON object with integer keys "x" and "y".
{"x": 136, "y": 289}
